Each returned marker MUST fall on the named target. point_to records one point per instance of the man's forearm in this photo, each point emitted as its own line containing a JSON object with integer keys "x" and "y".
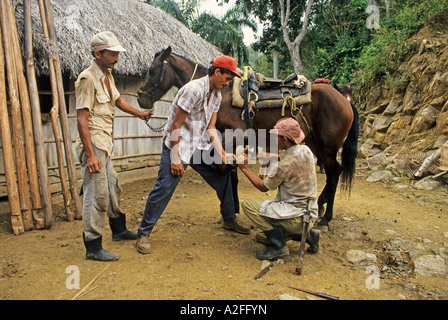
{"x": 126, "y": 107}
{"x": 216, "y": 142}
{"x": 84, "y": 134}
{"x": 254, "y": 179}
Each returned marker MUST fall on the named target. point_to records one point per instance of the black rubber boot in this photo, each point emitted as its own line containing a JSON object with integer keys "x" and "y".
{"x": 313, "y": 241}
{"x": 277, "y": 248}
{"x": 95, "y": 251}
{"x": 119, "y": 231}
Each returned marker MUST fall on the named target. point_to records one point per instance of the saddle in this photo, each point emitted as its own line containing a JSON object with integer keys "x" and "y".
{"x": 268, "y": 93}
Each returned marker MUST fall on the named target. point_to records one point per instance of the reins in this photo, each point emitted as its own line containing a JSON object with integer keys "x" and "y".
{"x": 195, "y": 67}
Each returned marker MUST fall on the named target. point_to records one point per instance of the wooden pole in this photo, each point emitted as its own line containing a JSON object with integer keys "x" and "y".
{"x": 8, "y": 158}
{"x": 16, "y": 120}
{"x": 41, "y": 159}
{"x": 54, "y": 115}
{"x": 30, "y": 155}
{"x": 47, "y": 16}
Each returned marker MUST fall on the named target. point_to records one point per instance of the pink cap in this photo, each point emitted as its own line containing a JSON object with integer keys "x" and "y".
{"x": 289, "y": 128}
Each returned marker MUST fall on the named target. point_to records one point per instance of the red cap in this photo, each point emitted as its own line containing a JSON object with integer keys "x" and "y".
{"x": 226, "y": 62}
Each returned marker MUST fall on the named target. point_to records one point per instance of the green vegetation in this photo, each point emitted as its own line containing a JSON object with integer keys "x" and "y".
{"x": 339, "y": 45}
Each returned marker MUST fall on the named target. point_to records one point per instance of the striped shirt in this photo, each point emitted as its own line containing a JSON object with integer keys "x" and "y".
{"x": 192, "y": 98}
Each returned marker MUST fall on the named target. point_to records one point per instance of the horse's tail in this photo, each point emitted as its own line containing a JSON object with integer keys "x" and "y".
{"x": 350, "y": 152}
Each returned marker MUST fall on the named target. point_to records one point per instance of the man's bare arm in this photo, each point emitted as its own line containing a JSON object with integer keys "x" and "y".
{"x": 93, "y": 162}
{"x": 126, "y": 107}
{"x": 253, "y": 178}
{"x": 177, "y": 168}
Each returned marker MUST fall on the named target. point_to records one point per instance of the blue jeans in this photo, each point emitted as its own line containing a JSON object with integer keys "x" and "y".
{"x": 160, "y": 195}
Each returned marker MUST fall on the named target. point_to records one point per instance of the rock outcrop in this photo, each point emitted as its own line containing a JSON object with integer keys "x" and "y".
{"x": 408, "y": 121}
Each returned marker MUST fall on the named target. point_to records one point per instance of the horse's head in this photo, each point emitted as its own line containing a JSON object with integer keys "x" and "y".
{"x": 156, "y": 82}
{"x": 346, "y": 91}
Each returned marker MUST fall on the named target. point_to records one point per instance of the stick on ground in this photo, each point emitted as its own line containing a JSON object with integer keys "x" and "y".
{"x": 263, "y": 271}
{"x": 93, "y": 280}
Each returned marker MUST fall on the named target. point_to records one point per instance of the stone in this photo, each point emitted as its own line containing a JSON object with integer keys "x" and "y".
{"x": 379, "y": 159}
{"x": 369, "y": 148}
{"x": 431, "y": 265}
{"x": 379, "y": 176}
{"x": 424, "y": 120}
{"x": 427, "y": 183}
{"x": 381, "y": 123}
{"x": 359, "y": 257}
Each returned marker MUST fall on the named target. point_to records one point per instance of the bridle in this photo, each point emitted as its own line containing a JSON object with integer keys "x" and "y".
{"x": 150, "y": 92}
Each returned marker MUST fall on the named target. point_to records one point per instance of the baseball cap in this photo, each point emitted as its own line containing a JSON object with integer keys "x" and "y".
{"x": 226, "y": 62}
{"x": 289, "y": 128}
{"x": 105, "y": 40}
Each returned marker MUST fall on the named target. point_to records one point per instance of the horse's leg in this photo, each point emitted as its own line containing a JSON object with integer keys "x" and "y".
{"x": 333, "y": 171}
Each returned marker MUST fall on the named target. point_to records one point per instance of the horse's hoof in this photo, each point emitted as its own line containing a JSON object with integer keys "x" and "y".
{"x": 323, "y": 225}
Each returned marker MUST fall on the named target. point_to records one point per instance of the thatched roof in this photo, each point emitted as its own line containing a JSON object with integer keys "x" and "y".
{"x": 141, "y": 28}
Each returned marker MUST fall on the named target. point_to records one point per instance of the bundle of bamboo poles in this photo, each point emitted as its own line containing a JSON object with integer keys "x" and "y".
{"x": 29, "y": 190}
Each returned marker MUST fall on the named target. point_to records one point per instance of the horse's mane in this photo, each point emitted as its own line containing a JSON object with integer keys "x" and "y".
{"x": 185, "y": 58}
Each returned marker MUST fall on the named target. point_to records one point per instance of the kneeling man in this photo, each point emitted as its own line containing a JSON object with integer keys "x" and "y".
{"x": 295, "y": 178}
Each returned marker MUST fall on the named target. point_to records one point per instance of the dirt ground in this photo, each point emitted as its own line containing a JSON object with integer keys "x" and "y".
{"x": 194, "y": 258}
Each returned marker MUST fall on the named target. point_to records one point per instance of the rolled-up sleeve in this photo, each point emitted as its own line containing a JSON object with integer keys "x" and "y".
{"x": 275, "y": 177}
{"x": 85, "y": 93}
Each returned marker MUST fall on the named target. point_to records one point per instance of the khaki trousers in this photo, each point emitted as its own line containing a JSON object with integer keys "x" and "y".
{"x": 101, "y": 194}
{"x": 293, "y": 226}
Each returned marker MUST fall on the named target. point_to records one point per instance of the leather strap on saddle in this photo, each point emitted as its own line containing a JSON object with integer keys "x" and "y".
{"x": 273, "y": 95}
{"x": 292, "y": 93}
{"x": 248, "y": 116}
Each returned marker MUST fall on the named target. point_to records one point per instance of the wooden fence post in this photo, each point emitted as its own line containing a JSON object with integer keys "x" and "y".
{"x": 8, "y": 158}
{"x": 41, "y": 159}
{"x": 47, "y": 16}
{"x": 30, "y": 154}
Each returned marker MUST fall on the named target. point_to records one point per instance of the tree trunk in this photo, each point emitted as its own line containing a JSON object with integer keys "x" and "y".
{"x": 294, "y": 46}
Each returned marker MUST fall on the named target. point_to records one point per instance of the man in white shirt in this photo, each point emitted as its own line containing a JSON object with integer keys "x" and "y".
{"x": 191, "y": 122}
{"x": 295, "y": 178}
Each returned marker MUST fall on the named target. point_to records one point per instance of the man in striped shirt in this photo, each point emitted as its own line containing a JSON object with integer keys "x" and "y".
{"x": 187, "y": 136}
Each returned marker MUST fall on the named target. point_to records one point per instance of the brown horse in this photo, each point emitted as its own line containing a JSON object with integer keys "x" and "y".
{"x": 346, "y": 91}
{"x": 330, "y": 116}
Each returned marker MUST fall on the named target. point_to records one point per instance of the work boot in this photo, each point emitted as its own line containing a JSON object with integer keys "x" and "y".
{"x": 261, "y": 238}
{"x": 313, "y": 241}
{"x": 277, "y": 248}
{"x": 119, "y": 231}
{"x": 95, "y": 251}
{"x": 236, "y": 226}
{"x": 143, "y": 245}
